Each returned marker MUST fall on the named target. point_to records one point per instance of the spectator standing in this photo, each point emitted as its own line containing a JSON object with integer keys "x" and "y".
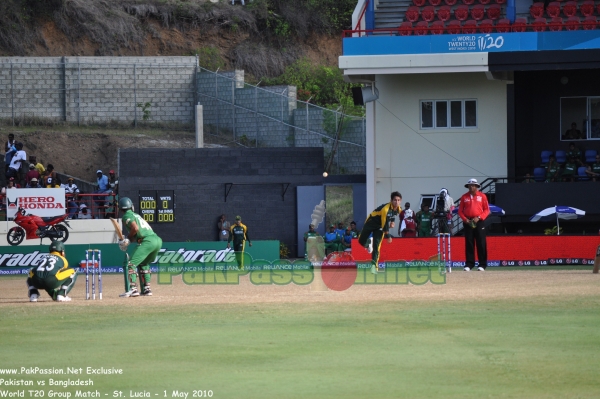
{"x": 113, "y": 181}
{"x": 378, "y": 223}
{"x": 33, "y": 173}
{"x": 409, "y": 227}
{"x": 333, "y": 241}
{"x": 224, "y": 227}
{"x": 38, "y": 166}
{"x": 103, "y": 187}
{"x": 49, "y": 175}
{"x": 473, "y": 209}
{"x": 9, "y": 150}
{"x": 239, "y": 236}
{"x": 406, "y": 210}
{"x": 14, "y": 169}
{"x": 71, "y": 192}
{"x": 424, "y": 221}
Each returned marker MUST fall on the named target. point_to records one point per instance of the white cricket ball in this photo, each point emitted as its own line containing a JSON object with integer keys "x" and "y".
{"x": 325, "y": 174}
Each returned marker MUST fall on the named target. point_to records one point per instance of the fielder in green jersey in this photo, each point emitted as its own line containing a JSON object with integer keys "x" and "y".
{"x": 424, "y": 221}
{"x": 147, "y": 250}
{"x": 53, "y": 275}
{"x": 239, "y": 234}
{"x": 378, "y": 223}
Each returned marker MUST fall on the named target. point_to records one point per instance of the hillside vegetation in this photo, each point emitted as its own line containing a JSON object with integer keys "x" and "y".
{"x": 262, "y": 37}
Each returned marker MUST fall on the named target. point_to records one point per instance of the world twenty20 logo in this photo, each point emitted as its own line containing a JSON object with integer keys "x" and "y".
{"x": 488, "y": 42}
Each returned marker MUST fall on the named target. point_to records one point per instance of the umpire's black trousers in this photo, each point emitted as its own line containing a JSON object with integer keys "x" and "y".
{"x": 475, "y": 236}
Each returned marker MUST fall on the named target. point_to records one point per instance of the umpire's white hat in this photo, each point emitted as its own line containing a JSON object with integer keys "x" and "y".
{"x": 472, "y": 182}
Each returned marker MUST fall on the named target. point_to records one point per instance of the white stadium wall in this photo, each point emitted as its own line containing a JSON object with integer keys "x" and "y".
{"x": 406, "y": 158}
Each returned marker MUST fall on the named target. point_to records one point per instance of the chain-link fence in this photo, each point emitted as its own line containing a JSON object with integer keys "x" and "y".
{"x": 123, "y": 91}
{"x": 272, "y": 117}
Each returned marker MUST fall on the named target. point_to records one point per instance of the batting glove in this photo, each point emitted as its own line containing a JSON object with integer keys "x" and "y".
{"x": 123, "y": 244}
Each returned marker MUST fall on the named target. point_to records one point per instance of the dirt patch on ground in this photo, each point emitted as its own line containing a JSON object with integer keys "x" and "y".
{"x": 464, "y": 287}
{"x": 81, "y": 154}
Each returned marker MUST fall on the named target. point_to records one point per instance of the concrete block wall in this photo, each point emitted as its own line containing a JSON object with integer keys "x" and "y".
{"x": 199, "y": 186}
{"x": 98, "y": 89}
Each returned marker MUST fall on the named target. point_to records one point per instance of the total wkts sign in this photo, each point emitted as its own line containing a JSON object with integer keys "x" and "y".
{"x": 36, "y": 201}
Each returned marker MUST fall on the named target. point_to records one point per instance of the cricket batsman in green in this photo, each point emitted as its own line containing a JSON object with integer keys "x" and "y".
{"x": 239, "y": 234}
{"x": 379, "y": 223}
{"x": 145, "y": 252}
{"x": 53, "y": 275}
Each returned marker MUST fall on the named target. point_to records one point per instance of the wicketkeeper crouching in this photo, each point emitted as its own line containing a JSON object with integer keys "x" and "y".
{"x": 147, "y": 250}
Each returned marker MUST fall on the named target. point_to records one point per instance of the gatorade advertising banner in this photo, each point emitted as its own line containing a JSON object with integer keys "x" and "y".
{"x": 19, "y": 259}
{"x": 502, "y": 250}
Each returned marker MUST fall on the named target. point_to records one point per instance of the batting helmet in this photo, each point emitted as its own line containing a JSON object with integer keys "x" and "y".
{"x": 56, "y": 246}
{"x": 125, "y": 203}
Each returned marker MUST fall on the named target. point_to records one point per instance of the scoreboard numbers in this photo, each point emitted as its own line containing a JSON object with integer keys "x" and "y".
{"x": 157, "y": 206}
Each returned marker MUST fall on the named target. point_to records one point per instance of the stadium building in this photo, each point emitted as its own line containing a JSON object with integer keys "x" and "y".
{"x": 485, "y": 89}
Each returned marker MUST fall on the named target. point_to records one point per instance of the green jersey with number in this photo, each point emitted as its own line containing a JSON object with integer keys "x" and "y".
{"x": 49, "y": 267}
{"x": 144, "y": 229}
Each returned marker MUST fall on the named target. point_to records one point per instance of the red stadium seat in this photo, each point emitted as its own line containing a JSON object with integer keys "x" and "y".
{"x": 520, "y": 25}
{"x": 468, "y": 2}
{"x": 556, "y": 24}
{"x": 503, "y": 26}
{"x": 422, "y": 28}
{"x": 450, "y": 2}
{"x": 405, "y": 28}
{"x": 461, "y": 12}
{"x": 587, "y": 8}
{"x": 443, "y": 13}
{"x": 553, "y": 9}
{"x": 470, "y": 27}
{"x": 539, "y": 25}
{"x": 536, "y": 10}
{"x": 570, "y": 9}
{"x": 412, "y": 14}
{"x": 500, "y": 1}
{"x": 477, "y": 12}
{"x": 486, "y": 26}
{"x": 428, "y": 13}
{"x": 454, "y": 27}
{"x": 484, "y": 2}
{"x": 419, "y": 3}
{"x": 435, "y": 3}
{"x": 493, "y": 12}
{"x": 589, "y": 23}
{"x": 572, "y": 23}
{"x": 437, "y": 28}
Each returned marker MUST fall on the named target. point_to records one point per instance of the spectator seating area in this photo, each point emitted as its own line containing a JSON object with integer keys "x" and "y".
{"x": 589, "y": 157}
{"x": 487, "y": 16}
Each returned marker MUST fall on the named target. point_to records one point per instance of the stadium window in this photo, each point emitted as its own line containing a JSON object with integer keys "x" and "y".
{"x": 584, "y": 112}
{"x": 444, "y": 114}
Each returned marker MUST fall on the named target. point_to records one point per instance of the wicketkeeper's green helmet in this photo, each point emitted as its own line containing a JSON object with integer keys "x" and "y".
{"x": 56, "y": 246}
{"x": 125, "y": 203}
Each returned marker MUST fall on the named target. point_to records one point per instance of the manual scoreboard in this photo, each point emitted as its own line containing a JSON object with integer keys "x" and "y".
{"x": 157, "y": 206}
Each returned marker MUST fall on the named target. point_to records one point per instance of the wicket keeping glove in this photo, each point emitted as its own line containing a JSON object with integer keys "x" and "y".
{"x": 123, "y": 244}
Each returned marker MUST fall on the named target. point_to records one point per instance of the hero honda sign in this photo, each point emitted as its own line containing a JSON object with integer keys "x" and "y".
{"x": 475, "y": 43}
{"x": 36, "y": 201}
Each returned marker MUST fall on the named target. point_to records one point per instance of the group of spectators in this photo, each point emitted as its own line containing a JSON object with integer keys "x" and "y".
{"x": 23, "y": 172}
{"x": 568, "y": 172}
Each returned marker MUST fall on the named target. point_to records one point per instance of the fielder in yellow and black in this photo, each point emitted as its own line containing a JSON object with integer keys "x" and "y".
{"x": 379, "y": 223}
{"x": 239, "y": 234}
{"x": 53, "y": 275}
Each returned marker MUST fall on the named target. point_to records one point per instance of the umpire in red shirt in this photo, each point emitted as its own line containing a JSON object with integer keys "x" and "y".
{"x": 473, "y": 209}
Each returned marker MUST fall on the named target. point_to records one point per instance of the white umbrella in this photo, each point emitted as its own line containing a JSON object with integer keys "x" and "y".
{"x": 557, "y": 212}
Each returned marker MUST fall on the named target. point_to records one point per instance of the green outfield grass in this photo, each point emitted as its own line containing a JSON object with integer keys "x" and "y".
{"x": 543, "y": 348}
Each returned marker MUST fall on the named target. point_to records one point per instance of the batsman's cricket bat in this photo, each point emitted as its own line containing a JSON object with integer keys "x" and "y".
{"x": 117, "y": 228}
{"x": 597, "y": 261}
